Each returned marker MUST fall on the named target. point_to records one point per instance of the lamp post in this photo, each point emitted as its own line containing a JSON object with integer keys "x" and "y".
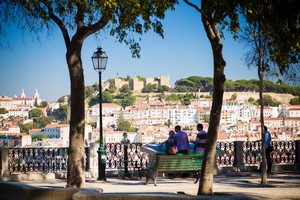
{"x": 99, "y": 60}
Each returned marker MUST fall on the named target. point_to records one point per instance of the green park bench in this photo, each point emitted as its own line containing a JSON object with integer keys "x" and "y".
{"x": 174, "y": 163}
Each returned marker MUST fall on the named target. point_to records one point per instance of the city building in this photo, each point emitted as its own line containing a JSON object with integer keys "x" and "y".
{"x": 59, "y": 133}
{"x": 19, "y": 106}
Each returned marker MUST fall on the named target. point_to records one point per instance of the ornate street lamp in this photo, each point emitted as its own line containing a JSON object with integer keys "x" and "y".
{"x": 99, "y": 60}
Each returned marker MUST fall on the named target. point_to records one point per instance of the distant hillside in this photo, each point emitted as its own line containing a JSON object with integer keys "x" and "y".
{"x": 205, "y": 84}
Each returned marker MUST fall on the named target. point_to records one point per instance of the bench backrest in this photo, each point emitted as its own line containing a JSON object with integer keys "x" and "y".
{"x": 172, "y": 163}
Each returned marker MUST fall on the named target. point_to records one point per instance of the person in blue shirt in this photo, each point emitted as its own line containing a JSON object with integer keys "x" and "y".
{"x": 182, "y": 140}
{"x": 200, "y": 139}
{"x": 268, "y": 148}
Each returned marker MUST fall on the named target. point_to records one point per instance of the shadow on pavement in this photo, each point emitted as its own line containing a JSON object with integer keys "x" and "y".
{"x": 252, "y": 180}
{"x": 218, "y": 196}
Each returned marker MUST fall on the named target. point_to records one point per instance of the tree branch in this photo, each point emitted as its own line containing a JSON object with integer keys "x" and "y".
{"x": 192, "y": 5}
{"x": 79, "y": 15}
{"x": 98, "y": 25}
{"x": 59, "y": 22}
{"x": 208, "y": 18}
{"x": 85, "y": 31}
{"x": 210, "y": 27}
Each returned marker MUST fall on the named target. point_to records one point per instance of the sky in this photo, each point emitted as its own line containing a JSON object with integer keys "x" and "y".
{"x": 185, "y": 51}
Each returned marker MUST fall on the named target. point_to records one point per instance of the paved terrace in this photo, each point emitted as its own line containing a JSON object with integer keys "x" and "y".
{"x": 233, "y": 185}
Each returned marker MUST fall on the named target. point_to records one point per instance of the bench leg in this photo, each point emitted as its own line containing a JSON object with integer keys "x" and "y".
{"x": 154, "y": 178}
{"x": 140, "y": 173}
{"x": 147, "y": 177}
{"x": 149, "y": 174}
{"x": 197, "y": 176}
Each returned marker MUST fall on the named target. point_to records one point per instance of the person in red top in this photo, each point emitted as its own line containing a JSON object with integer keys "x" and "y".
{"x": 182, "y": 140}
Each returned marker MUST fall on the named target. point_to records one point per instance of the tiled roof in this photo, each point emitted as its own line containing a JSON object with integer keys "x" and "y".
{"x": 56, "y": 125}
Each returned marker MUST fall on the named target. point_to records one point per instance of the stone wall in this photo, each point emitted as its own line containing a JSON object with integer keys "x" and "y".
{"x": 119, "y": 83}
{"x": 282, "y": 98}
{"x": 136, "y": 84}
{"x": 164, "y": 80}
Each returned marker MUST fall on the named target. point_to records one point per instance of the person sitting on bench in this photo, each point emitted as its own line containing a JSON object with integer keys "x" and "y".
{"x": 182, "y": 140}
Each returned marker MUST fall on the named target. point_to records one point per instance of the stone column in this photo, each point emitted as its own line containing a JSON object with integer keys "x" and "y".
{"x": 126, "y": 172}
{"x": 94, "y": 159}
{"x": 3, "y": 162}
{"x": 88, "y": 159}
{"x": 297, "y": 152}
{"x": 238, "y": 156}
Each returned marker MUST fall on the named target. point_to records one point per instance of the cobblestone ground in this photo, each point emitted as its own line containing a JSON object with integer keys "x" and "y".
{"x": 226, "y": 186}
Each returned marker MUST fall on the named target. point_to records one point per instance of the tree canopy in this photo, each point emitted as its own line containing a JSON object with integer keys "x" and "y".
{"x": 3, "y": 111}
{"x": 106, "y": 98}
{"x": 124, "y": 125}
{"x": 39, "y": 137}
{"x": 268, "y": 101}
{"x": 38, "y": 122}
{"x": 123, "y": 18}
{"x": 277, "y": 20}
{"x": 295, "y": 101}
{"x": 204, "y": 84}
{"x": 35, "y": 112}
{"x": 61, "y": 114}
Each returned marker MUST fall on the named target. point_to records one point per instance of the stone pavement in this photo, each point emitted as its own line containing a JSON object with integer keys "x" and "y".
{"x": 233, "y": 185}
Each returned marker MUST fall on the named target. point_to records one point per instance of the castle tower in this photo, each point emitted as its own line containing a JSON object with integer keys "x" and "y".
{"x": 164, "y": 80}
{"x": 136, "y": 84}
{"x": 150, "y": 80}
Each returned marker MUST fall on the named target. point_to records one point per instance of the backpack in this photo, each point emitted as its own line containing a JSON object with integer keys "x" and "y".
{"x": 172, "y": 150}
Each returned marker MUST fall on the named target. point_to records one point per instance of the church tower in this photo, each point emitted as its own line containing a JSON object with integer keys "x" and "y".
{"x": 36, "y": 94}
{"x": 23, "y": 95}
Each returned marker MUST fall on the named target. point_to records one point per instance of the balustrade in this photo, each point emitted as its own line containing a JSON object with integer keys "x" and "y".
{"x": 116, "y": 159}
{"x": 227, "y": 157}
{"x": 284, "y": 152}
{"x": 55, "y": 159}
{"x": 37, "y": 159}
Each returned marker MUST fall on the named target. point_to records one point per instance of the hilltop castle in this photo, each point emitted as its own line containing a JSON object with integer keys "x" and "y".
{"x": 138, "y": 83}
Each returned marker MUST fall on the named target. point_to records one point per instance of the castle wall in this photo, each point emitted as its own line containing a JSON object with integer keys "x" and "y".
{"x": 119, "y": 83}
{"x": 164, "y": 80}
{"x": 136, "y": 84}
{"x": 150, "y": 80}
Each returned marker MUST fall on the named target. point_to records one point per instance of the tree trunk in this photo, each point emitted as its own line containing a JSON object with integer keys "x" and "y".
{"x": 260, "y": 68}
{"x": 263, "y": 150}
{"x": 206, "y": 180}
{"x": 76, "y": 172}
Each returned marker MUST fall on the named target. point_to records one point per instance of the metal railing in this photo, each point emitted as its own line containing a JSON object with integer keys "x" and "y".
{"x": 40, "y": 159}
{"x": 228, "y": 154}
{"x": 130, "y": 157}
{"x": 284, "y": 152}
{"x": 119, "y": 155}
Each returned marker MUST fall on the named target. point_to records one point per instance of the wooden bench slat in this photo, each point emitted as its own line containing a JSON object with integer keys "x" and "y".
{"x": 175, "y": 163}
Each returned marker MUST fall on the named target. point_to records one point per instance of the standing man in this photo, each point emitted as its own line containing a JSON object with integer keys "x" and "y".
{"x": 182, "y": 140}
{"x": 200, "y": 139}
{"x": 269, "y": 149}
{"x": 125, "y": 141}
